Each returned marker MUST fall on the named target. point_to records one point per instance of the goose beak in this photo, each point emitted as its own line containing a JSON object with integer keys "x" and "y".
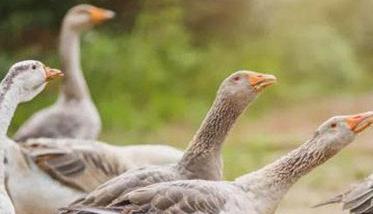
{"x": 52, "y": 73}
{"x": 359, "y": 122}
{"x": 99, "y": 15}
{"x": 260, "y": 81}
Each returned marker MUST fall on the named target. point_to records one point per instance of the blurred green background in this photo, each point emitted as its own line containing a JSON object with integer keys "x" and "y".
{"x": 153, "y": 71}
{"x": 161, "y": 61}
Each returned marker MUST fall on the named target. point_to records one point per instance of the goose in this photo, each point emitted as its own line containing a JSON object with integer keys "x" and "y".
{"x": 24, "y": 81}
{"x": 357, "y": 199}
{"x": 258, "y": 192}
{"x": 6, "y": 205}
{"x": 58, "y": 170}
{"x": 202, "y": 159}
{"x": 74, "y": 115}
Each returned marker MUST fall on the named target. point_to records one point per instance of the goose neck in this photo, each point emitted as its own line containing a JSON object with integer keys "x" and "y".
{"x": 9, "y": 99}
{"x": 74, "y": 84}
{"x": 202, "y": 160}
{"x": 271, "y": 183}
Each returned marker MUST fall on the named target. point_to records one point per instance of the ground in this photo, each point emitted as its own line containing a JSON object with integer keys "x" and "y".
{"x": 256, "y": 142}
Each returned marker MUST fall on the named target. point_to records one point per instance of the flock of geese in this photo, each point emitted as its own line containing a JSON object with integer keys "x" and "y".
{"x": 54, "y": 164}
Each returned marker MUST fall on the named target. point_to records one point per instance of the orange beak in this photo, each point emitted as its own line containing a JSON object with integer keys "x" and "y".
{"x": 260, "y": 81}
{"x": 357, "y": 123}
{"x": 99, "y": 15}
{"x": 52, "y": 73}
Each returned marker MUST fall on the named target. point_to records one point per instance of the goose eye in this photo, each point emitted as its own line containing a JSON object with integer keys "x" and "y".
{"x": 333, "y": 125}
{"x": 236, "y": 78}
{"x": 33, "y": 67}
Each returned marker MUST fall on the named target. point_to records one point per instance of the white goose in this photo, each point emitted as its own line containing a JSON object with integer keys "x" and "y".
{"x": 202, "y": 160}
{"x": 59, "y": 170}
{"x": 74, "y": 115}
{"x": 255, "y": 193}
{"x": 23, "y": 81}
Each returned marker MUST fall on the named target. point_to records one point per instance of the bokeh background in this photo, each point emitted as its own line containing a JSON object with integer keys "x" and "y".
{"x": 153, "y": 72}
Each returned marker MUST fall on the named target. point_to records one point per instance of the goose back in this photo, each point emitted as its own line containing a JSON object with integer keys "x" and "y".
{"x": 65, "y": 119}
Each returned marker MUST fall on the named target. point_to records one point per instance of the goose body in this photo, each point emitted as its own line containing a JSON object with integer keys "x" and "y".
{"x": 65, "y": 119}
{"x": 258, "y": 192}
{"x": 202, "y": 160}
{"x": 74, "y": 115}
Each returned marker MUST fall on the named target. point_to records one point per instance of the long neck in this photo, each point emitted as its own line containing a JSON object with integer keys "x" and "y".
{"x": 9, "y": 99}
{"x": 202, "y": 160}
{"x": 74, "y": 85}
{"x": 271, "y": 183}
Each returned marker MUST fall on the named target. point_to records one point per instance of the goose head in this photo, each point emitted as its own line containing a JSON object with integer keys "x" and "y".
{"x": 30, "y": 78}
{"x": 83, "y": 17}
{"x": 243, "y": 86}
{"x": 339, "y": 131}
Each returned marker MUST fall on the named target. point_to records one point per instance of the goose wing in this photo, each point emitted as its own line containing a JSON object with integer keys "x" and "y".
{"x": 358, "y": 199}
{"x": 114, "y": 190}
{"x": 81, "y": 165}
{"x": 185, "y": 197}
